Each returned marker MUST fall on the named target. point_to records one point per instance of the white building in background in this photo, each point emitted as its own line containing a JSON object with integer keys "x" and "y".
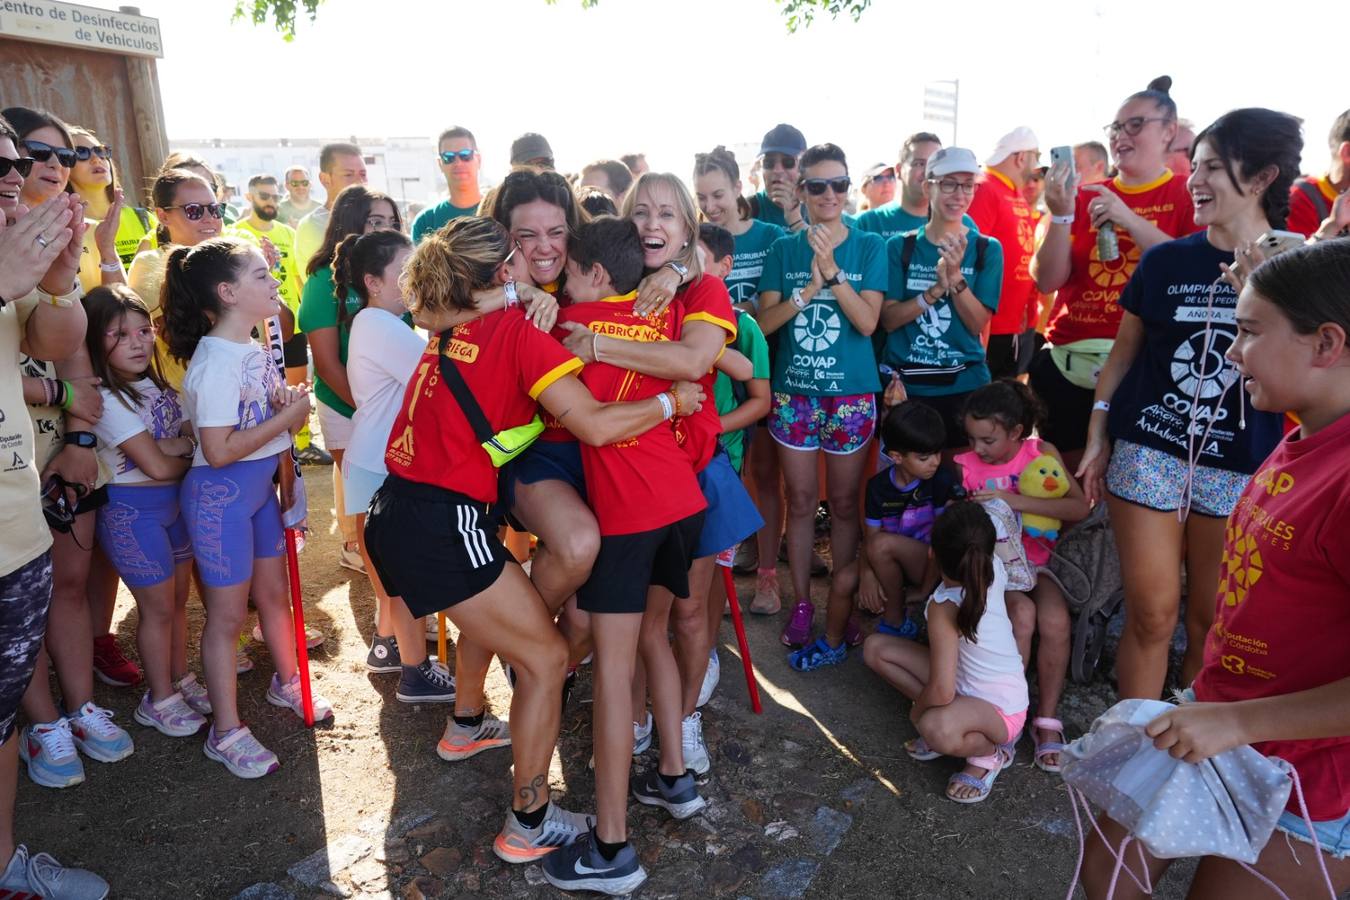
{"x": 402, "y": 167}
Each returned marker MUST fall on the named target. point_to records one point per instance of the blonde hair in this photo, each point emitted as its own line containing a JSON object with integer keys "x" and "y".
{"x": 452, "y": 263}
{"x": 688, "y": 255}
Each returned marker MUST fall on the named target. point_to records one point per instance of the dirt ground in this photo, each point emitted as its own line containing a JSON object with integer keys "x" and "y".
{"x": 813, "y": 798}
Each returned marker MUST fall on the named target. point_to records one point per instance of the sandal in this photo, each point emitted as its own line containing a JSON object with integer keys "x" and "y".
{"x": 1001, "y": 759}
{"x": 1046, "y": 748}
{"x": 918, "y": 749}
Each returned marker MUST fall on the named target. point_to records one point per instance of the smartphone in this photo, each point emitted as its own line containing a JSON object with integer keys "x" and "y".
{"x": 1063, "y": 156}
{"x": 1273, "y": 243}
{"x": 58, "y": 514}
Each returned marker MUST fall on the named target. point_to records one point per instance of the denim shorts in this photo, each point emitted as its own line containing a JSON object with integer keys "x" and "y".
{"x": 358, "y": 486}
{"x": 1333, "y": 835}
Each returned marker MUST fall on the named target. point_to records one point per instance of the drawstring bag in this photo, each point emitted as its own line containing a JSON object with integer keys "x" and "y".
{"x": 1008, "y": 545}
{"x": 1225, "y": 806}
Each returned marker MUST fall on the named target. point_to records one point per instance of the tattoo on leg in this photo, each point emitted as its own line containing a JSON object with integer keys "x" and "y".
{"x": 529, "y": 794}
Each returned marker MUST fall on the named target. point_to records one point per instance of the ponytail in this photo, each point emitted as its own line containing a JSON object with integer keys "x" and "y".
{"x": 963, "y": 542}
{"x": 452, "y": 263}
{"x": 189, "y": 299}
{"x": 1008, "y": 402}
{"x": 359, "y": 255}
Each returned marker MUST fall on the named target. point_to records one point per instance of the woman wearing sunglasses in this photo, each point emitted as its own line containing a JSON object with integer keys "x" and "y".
{"x": 821, "y": 294}
{"x": 94, "y": 178}
{"x": 1143, "y": 205}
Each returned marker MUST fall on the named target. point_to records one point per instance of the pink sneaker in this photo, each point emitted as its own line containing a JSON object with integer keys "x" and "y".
{"x": 798, "y": 630}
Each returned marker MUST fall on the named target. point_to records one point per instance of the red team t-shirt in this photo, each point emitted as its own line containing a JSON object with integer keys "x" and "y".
{"x": 507, "y": 363}
{"x": 705, "y": 300}
{"x": 1304, "y": 216}
{"x": 1088, "y": 305}
{"x": 645, "y": 482}
{"x": 1283, "y": 620}
{"x": 1001, "y": 212}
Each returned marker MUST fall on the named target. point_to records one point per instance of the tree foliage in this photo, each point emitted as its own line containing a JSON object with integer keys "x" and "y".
{"x": 285, "y": 13}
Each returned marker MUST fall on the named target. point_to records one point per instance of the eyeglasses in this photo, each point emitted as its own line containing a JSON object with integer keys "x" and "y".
{"x": 23, "y": 165}
{"x": 1131, "y": 126}
{"x": 380, "y": 223}
{"x": 84, "y": 153}
{"x": 143, "y": 334}
{"x": 194, "y": 211}
{"x": 304, "y": 183}
{"x": 779, "y": 161}
{"x": 465, "y": 155}
{"x": 43, "y": 152}
{"x": 817, "y": 186}
{"x": 948, "y": 186}
{"x": 267, "y": 198}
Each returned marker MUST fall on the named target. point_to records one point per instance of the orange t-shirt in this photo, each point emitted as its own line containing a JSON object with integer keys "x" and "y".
{"x": 1088, "y": 305}
{"x": 1000, "y": 211}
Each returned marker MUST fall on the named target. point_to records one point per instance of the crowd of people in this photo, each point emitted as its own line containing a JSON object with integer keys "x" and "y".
{"x": 652, "y": 376}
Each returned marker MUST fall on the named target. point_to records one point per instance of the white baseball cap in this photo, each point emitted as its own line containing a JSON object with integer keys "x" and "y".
{"x": 951, "y": 160}
{"x": 1016, "y": 141}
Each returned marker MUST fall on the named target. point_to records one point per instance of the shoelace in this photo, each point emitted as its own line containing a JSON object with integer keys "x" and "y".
{"x": 99, "y": 721}
{"x": 44, "y": 872}
{"x": 57, "y": 740}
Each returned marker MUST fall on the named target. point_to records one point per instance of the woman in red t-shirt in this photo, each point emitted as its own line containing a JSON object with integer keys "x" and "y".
{"x": 1146, "y": 205}
{"x": 1276, "y": 674}
{"x": 430, "y": 532}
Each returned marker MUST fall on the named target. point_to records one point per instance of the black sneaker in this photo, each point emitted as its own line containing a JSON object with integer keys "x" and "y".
{"x": 427, "y": 683}
{"x": 383, "y": 655}
{"x": 681, "y": 800}
{"x": 580, "y": 867}
{"x": 314, "y": 455}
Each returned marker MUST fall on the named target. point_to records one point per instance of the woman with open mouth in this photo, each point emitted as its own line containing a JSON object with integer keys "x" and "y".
{"x": 94, "y": 178}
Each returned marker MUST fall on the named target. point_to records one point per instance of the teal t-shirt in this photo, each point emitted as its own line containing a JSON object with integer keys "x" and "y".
{"x": 433, "y": 218}
{"x": 750, "y": 341}
{"x": 892, "y": 219}
{"x": 747, "y": 261}
{"x": 318, "y": 309}
{"x": 773, "y": 214}
{"x": 820, "y": 353}
{"x": 936, "y": 354}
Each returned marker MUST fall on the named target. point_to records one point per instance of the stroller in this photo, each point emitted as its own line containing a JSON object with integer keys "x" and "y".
{"x": 1087, "y": 568}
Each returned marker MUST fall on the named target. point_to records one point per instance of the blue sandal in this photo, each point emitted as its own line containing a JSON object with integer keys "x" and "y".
{"x": 1004, "y": 758}
{"x": 816, "y": 655}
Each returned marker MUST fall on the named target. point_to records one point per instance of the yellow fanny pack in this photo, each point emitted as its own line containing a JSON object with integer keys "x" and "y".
{"x": 500, "y": 446}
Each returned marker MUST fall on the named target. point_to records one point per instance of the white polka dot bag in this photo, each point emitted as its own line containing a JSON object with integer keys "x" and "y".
{"x": 1225, "y": 806}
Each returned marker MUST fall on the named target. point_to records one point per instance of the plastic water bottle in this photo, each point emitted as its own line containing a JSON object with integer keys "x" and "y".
{"x": 1108, "y": 246}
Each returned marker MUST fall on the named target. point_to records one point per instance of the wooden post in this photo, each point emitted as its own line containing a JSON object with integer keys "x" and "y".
{"x": 147, "y": 107}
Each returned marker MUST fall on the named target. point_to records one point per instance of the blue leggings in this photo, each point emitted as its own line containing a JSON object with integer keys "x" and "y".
{"x": 233, "y": 518}
{"x": 142, "y": 532}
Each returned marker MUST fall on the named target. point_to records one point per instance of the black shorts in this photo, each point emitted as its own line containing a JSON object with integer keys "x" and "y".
{"x": 296, "y": 351}
{"x": 25, "y": 596}
{"x": 949, "y": 406}
{"x": 1069, "y": 406}
{"x": 628, "y": 564}
{"x": 430, "y": 546}
{"x": 1009, "y": 355}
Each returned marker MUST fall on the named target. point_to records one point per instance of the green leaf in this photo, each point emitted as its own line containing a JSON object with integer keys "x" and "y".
{"x": 282, "y": 13}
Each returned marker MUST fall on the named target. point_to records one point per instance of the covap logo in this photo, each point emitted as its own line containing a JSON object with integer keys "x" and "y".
{"x": 1196, "y": 367}
{"x": 935, "y": 321}
{"x": 816, "y": 328}
{"x": 1241, "y": 566}
{"x": 1115, "y": 273}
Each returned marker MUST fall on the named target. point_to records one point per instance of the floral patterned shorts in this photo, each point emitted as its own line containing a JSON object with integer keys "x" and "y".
{"x": 839, "y": 425}
{"x": 1153, "y": 479}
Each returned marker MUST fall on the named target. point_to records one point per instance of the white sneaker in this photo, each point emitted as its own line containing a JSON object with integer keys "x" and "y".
{"x": 691, "y": 740}
{"x": 710, "y": 679}
{"x": 194, "y": 693}
{"x": 642, "y": 739}
{"x": 350, "y": 558}
{"x": 433, "y": 629}
{"x": 288, "y": 696}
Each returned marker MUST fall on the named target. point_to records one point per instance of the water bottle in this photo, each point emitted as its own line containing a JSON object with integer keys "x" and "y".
{"x": 1108, "y": 246}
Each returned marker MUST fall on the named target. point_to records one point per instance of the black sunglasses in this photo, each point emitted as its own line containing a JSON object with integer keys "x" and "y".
{"x": 465, "y": 155}
{"x": 23, "y": 165}
{"x": 817, "y": 186}
{"x": 194, "y": 211}
{"x": 43, "y": 152}
{"x": 779, "y": 161}
{"x": 84, "y": 153}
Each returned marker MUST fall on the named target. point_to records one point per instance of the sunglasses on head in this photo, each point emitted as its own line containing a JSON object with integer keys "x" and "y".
{"x": 817, "y": 186}
{"x": 304, "y": 183}
{"x": 44, "y": 152}
{"x": 23, "y": 165}
{"x": 779, "y": 161}
{"x": 83, "y": 154}
{"x": 449, "y": 156}
{"x": 194, "y": 211}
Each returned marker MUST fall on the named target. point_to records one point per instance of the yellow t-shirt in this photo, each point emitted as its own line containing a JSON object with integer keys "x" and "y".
{"x": 23, "y": 530}
{"x": 131, "y": 232}
{"x": 283, "y": 238}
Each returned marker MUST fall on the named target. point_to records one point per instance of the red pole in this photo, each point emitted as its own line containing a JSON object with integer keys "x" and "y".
{"x": 741, "y": 642}
{"x": 298, "y": 613}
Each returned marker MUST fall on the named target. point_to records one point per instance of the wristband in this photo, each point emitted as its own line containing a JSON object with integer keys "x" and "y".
{"x": 1103, "y": 405}
{"x": 1062, "y": 220}
{"x": 793, "y": 226}
{"x": 67, "y": 395}
{"x": 64, "y": 301}
{"x": 512, "y": 297}
{"x": 595, "y": 345}
{"x": 110, "y": 267}
{"x": 798, "y": 300}
{"x": 675, "y": 399}
{"x": 924, "y": 305}
{"x": 667, "y": 408}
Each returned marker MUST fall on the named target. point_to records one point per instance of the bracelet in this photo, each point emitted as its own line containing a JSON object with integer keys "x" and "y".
{"x": 798, "y": 300}
{"x": 595, "y": 345}
{"x": 110, "y": 267}
{"x": 64, "y": 301}
{"x": 193, "y": 442}
{"x": 67, "y": 395}
{"x": 960, "y": 287}
{"x": 667, "y": 409}
{"x": 924, "y": 305}
{"x": 512, "y": 297}
{"x": 675, "y": 399}
{"x": 793, "y": 226}
{"x": 1062, "y": 220}
{"x": 50, "y": 389}
{"x": 1103, "y": 405}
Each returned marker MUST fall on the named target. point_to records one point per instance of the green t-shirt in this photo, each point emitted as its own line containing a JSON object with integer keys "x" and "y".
{"x": 750, "y": 341}
{"x": 318, "y": 309}
{"x": 768, "y": 211}
{"x": 433, "y": 218}
{"x": 936, "y": 354}
{"x": 820, "y": 353}
{"x": 747, "y": 261}
{"x": 891, "y": 219}
{"x": 282, "y": 237}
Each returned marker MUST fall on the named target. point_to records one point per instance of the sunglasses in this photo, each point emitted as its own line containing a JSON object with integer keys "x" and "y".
{"x": 515, "y": 245}
{"x": 83, "y": 154}
{"x": 23, "y": 165}
{"x": 465, "y": 155}
{"x": 817, "y": 186}
{"x": 267, "y": 198}
{"x": 1131, "y": 126}
{"x": 304, "y": 183}
{"x": 779, "y": 161}
{"x": 194, "y": 211}
{"x": 884, "y": 176}
{"x": 44, "y": 152}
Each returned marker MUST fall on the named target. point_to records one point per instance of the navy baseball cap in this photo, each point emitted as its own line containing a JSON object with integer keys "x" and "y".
{"x": 783, "y": 138}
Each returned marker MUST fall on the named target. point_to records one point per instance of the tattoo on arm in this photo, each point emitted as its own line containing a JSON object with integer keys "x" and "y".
{"x": 529, "y": 794}
{"x": 562, "y": 415}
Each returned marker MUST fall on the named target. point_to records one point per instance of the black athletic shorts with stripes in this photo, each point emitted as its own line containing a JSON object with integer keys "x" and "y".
{"x": 628, "y": 564}
{"x": 431, "y": 546}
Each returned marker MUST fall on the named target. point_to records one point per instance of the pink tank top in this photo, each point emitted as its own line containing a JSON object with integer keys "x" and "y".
{"x": 977, "y": 475}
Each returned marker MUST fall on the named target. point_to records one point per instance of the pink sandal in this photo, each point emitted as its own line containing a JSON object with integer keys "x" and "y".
{"x": 1044, "y": 749}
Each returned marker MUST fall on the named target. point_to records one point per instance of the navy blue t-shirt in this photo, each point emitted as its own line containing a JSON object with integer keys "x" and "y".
{"x": 907, "y": 509}
{"x": 1179, "y": 367}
